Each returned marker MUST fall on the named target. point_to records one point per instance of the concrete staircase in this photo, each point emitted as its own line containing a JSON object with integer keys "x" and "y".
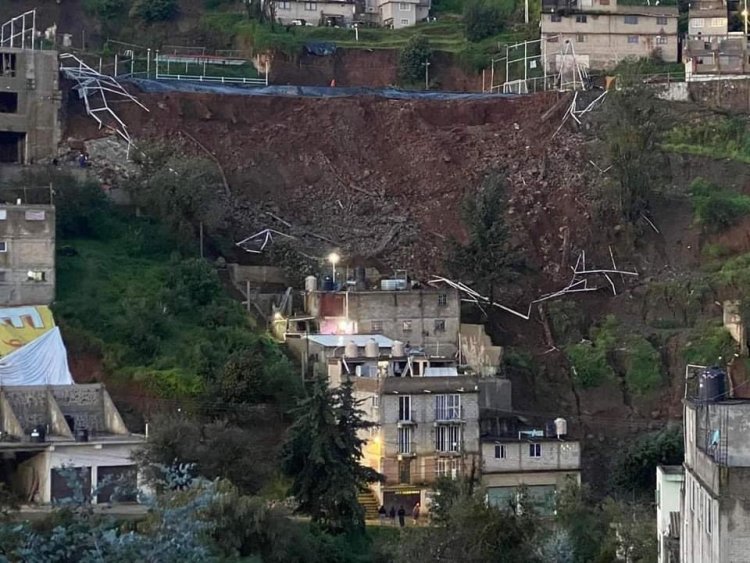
{"x": 369, "y": 502}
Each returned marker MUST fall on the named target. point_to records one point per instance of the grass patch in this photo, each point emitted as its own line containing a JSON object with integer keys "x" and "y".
{"x": 707, "y": 344}
{"x": 717, "y": 208}
{"x": 126, "y": 292}
{"x": 725, "y": 137}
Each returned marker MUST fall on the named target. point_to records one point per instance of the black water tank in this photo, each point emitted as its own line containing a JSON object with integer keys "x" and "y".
{"x": 712, "y": 385}
{"x": 82, "y": 435}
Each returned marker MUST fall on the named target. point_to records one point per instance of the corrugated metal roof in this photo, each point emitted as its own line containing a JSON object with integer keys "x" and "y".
{"x": 336, "y": 340}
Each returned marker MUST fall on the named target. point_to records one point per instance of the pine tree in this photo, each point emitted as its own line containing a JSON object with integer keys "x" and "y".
{"x": 323, "y": 454}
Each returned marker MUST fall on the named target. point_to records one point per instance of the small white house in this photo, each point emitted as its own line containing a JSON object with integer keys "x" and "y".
{"x": 669, "y": 480}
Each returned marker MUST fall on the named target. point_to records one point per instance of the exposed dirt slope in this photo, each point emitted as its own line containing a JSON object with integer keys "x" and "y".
{"x": 380, "y": 178}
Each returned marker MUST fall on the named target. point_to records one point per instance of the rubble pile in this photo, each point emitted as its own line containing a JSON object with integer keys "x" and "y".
{"x": 375, "y": 177}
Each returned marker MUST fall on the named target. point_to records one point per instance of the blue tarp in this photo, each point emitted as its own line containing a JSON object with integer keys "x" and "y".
{"x": 320, "y": 49}
{"x": 157, "y": 86}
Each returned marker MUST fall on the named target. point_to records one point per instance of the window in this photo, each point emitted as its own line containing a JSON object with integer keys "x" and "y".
{"x": 8, "y": 64}
{"x": 3, "y": 246}
{"x": 376, "y": 402}
{"x": 32, "y": 215}
{"x": 708, "y": 514}
{"x": 404, "y": 22}
{"x": 3, "y": 276}
{"x": 581, "y": 38}
{"x": 581, "y": 18}
{"x": 448, "y": 438}
{"x": 443, "y": 299}
{"x": 404, "y": 408}
{"x": 661, "y": 20}
{"x": 406, "y": 326}
{"x": 632, "y": 39}
{"x": 448, "y": 407}
{"x": 718, "y": 22}
{"x": 632, "y": 20}
{"x": 661, "y": 40}
{"x": 555, "y": 18}
{"x": 36, "y": 275}
{"x": 439, "y": 325}
{"x": 447, "y": 467}
{"x": 535, "y": 450}
{"x": 284, "y": 5}
{"x": 553, "y": 39}
{"x": 311, "y": 6}
{"x": 376, "y": 327}
{"x": 604, "y": 2}
{"x": 3, "y": 214}
{"x": 696, "y": 22}
{"x": 499, "y": 451}
{"x": 404, "y": 440}
{"x": 404, "y": 7}
{"x": 8, "y": 102}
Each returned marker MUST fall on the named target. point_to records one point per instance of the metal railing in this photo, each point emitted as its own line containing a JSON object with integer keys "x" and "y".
{"x": 449, "y": 414}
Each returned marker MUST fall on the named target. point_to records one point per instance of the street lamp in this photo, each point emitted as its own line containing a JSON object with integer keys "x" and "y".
{"x": 744, "y": 16}
{"x": 333, "y": 258}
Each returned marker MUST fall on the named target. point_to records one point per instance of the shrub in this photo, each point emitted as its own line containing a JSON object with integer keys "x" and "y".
{"x": 589, "y": 362}
{"x": 635, "y": 469}
{"x": 482, "y": 19}
{"x": 717, "y": 208}
{"x": 643, "y": 366}
{"x": 106, "y": 9}
{"x": 412, "y": 59}
{"x": 155, "y": 10}
{"x": 708, "y": 344}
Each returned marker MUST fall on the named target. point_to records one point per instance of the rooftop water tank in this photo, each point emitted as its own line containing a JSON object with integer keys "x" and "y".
{"x": 397, "y": 351}
{"x": 561, "y": 427}
{"x": 351, "y": 350}
{"x": 372, "y": 350}
{"x": 712, "y": 385}
{"x": 311, "y": 284}
{"x": 389, "y": 285}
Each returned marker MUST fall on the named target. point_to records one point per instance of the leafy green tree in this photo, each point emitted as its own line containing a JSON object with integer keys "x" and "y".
{"x": 633, "y": 131}
{"x": 83, "y": 210}
{"x": 191, "y": 285}
{"x": 487, "y": 260}
{"x": 106, "y": 10}
{"x": 635, "y": 467}
{"x": 482, "y": 19}
{"x": 323, "y": 456}
{"x": 153, "y": 11}
{"x": 413, "y": 58}
{"x": 583, "y": 521}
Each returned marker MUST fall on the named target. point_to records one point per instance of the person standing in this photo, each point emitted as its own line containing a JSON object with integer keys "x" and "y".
{"x": 381, "y": 514}
{"x": 392, "y": 514}
{"x": 401, "y": 514}
{"x": 415, "y": 514}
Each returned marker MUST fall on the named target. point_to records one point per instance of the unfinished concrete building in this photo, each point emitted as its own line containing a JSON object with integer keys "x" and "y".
{"x": 29, "y": 105}
{"x": 27, "y": 255}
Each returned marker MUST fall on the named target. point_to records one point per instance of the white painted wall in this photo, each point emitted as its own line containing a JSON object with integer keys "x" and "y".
{"x": 668, "y": 498}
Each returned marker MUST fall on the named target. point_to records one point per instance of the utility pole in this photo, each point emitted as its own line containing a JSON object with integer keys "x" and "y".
{"x": 427, "y": 75}
{"x": 526, "y": 11}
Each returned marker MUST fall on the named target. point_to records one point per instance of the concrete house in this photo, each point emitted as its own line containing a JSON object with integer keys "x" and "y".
{"x": 669, "y": 481}
{"x": 386, "y": 13}
{"x": 27, "y": 255}
{"x": 421, "y": 317}
{"x": 29, "y": 105}
{"x": 514, "y": 455}
{"x": 45, "y": 429}
{"x": 715, "y": 517}
{"x": 602, "y": 33}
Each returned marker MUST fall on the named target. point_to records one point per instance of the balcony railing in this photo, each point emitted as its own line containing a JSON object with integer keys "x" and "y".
{"x": 452, "y": 450}
{"x": 448, "y": 415}
{"x": 408, "y": 417}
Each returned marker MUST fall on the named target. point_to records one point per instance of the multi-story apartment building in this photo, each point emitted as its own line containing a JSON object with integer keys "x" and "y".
{"x": 602, "y": 33}
{"x": 669, "y": 480}
{"x": 715, "y": 515}
{"x": 543, "y": 463}
{"x": 387, "y": 13}
{"x": 27, "y": 255}
{"x": 429, "y": 429}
